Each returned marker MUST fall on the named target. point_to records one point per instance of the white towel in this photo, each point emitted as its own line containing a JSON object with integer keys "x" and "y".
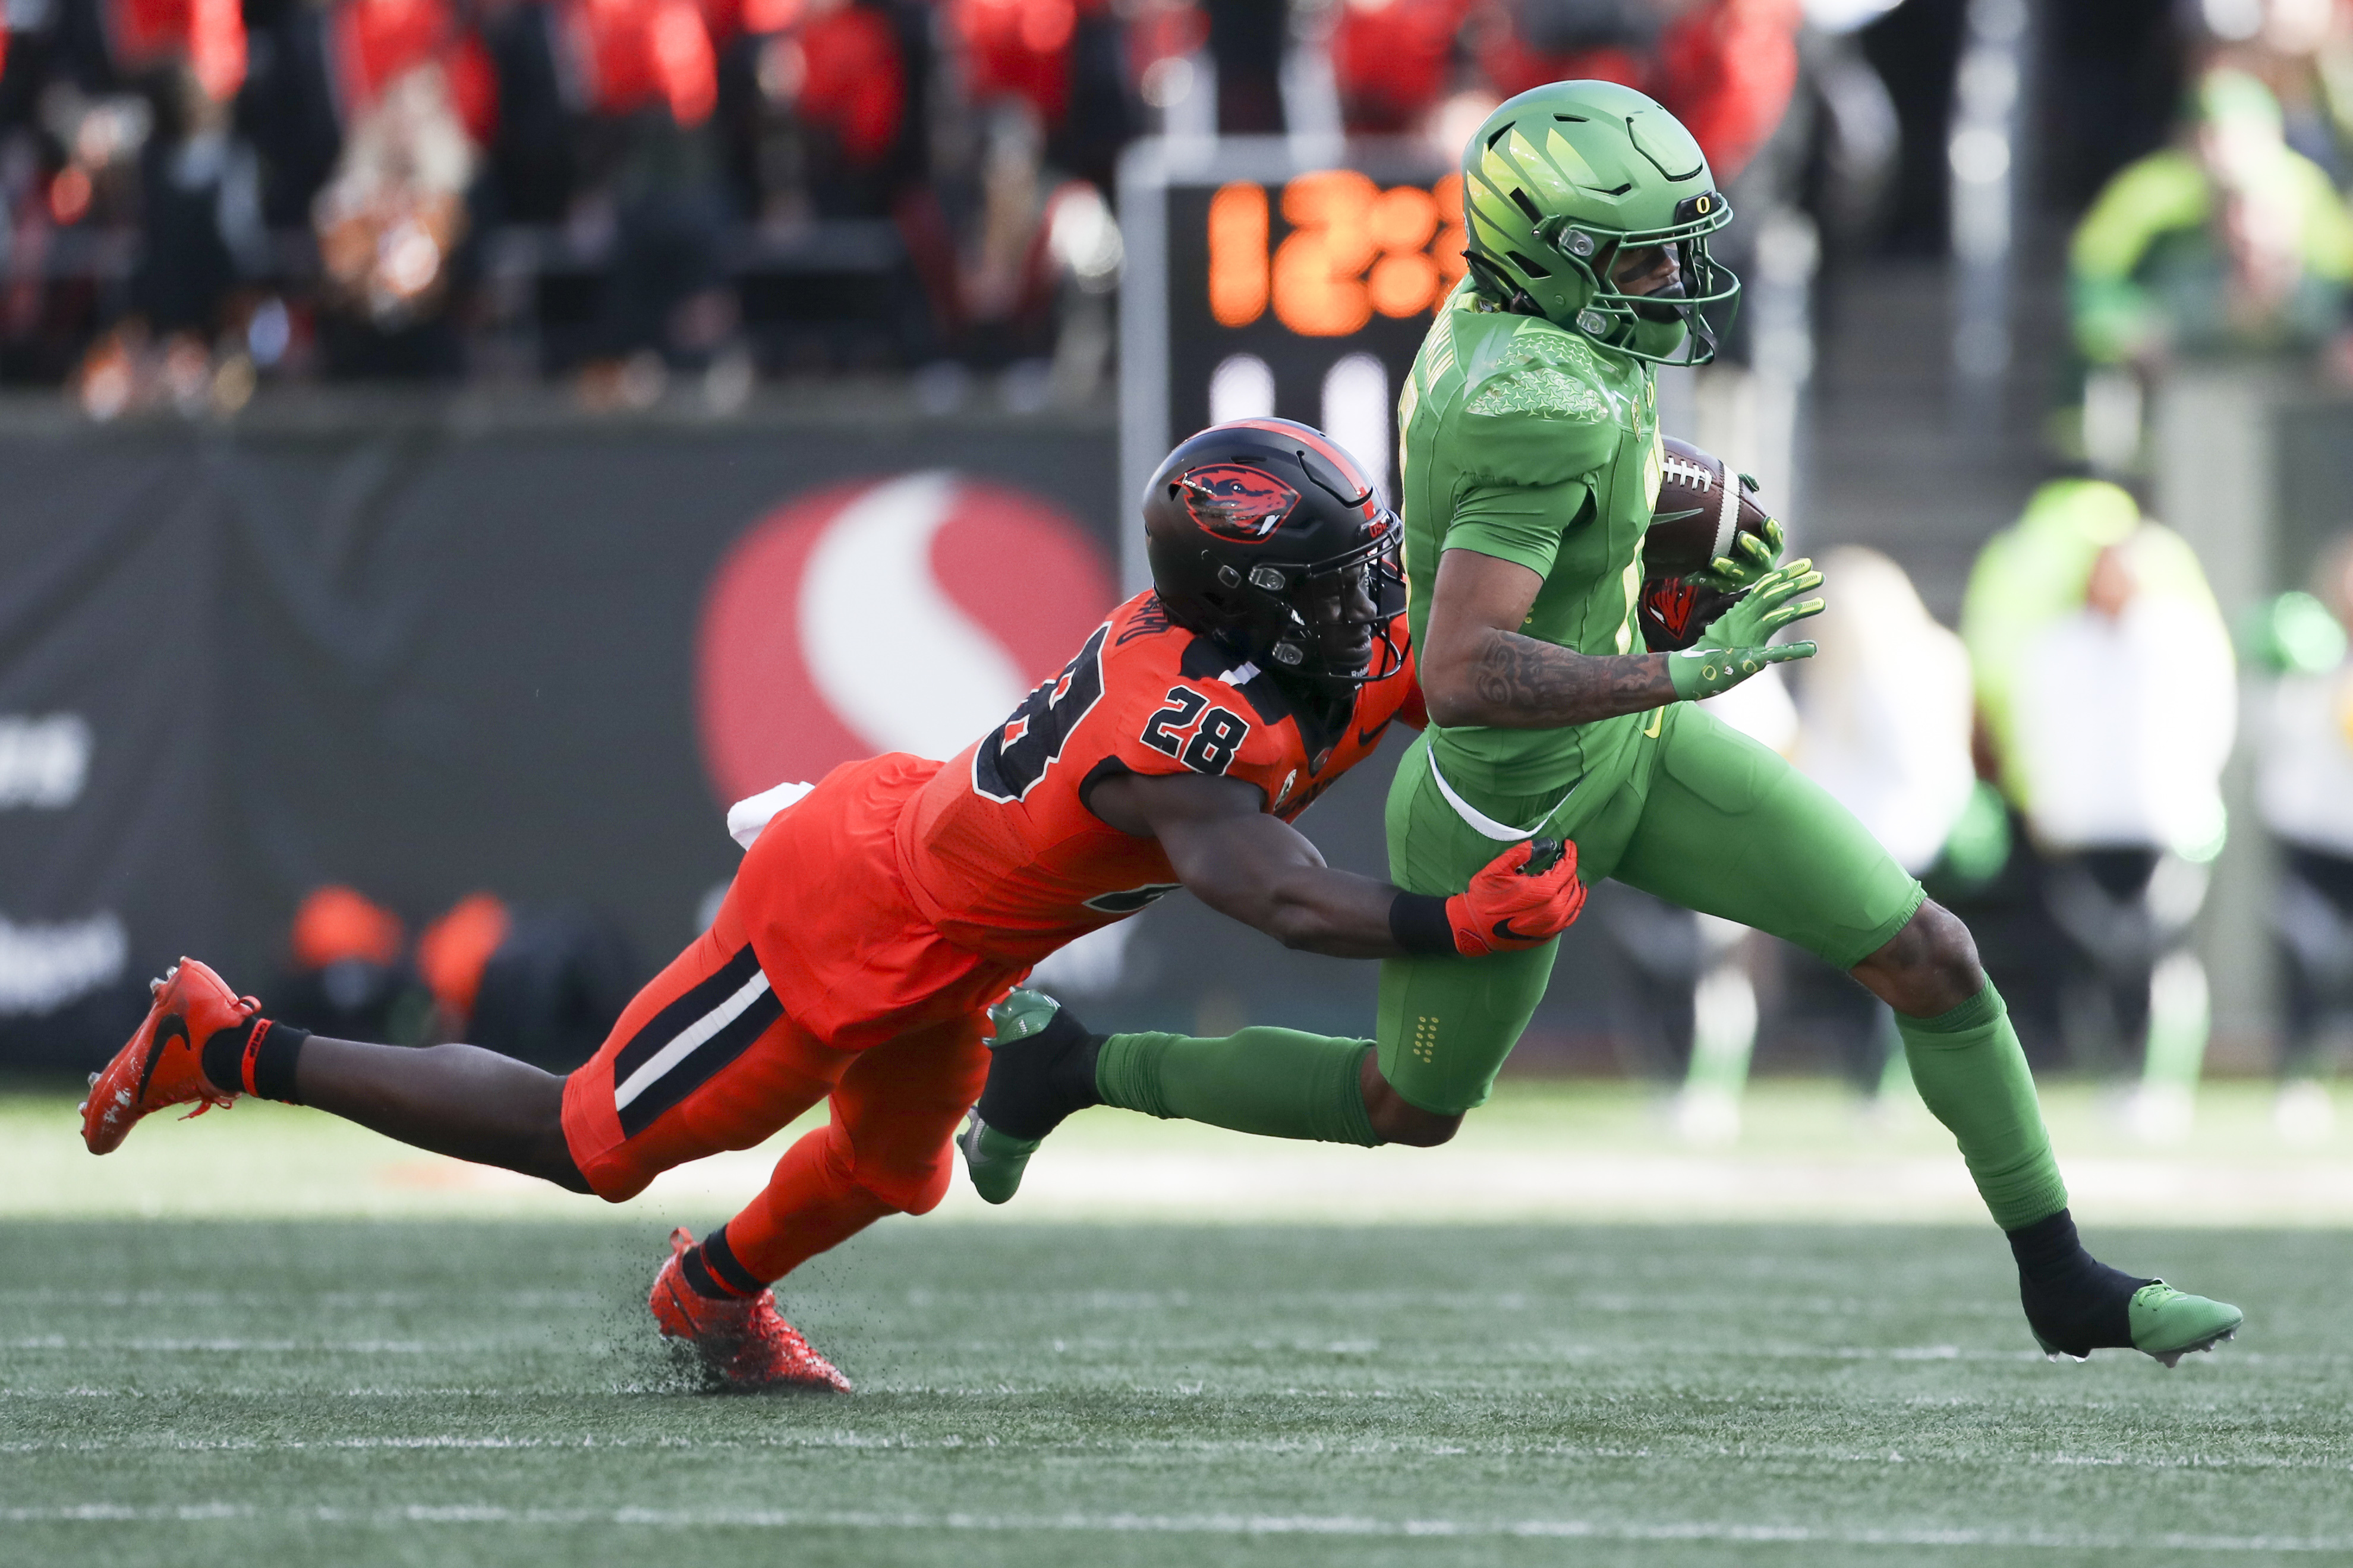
{"x": 2125, "y": 726}
{"x": 746, "y": 817}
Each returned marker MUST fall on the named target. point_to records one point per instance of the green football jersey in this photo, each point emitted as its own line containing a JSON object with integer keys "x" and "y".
{"x": 1522, "y": 440}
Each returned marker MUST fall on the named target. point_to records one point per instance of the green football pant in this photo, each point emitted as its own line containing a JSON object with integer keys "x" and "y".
{"x": 1693, "y": 812}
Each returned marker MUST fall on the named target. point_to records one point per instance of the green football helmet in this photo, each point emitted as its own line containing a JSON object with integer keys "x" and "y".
{"x": 1564, "y": 178}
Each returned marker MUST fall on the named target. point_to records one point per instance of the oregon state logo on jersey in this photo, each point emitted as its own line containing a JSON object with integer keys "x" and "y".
{"x": 1235, "y": 501}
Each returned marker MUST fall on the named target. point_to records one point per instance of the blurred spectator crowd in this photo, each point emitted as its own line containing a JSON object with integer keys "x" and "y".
{"x": 199, "y": 195}
{"x": 2054, "y": 773}
{"x": 2232, "y": 242}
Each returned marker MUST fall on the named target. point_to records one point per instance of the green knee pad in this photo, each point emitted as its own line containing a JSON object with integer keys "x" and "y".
{"x": 1973, "y": 1077}
{"x": 1275, "y": 1083}
{"x": 1447, "y": 1024}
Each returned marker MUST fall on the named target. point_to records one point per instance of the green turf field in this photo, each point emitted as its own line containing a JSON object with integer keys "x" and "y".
{"x": 333, "y": 1392}
{"x": 270, "y": 1337}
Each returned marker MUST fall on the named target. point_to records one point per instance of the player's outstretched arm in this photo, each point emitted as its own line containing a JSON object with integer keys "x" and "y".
{"x": 1242, "y": 862}
{"x": 1258, "y": 870}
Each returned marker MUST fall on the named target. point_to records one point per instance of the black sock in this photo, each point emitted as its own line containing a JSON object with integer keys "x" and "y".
{"x": 257, "y": 1060}
{"x": 1035, "y": 1082}
{"x": 712, "y": 1269}
{"x": 2077, "y": 1303}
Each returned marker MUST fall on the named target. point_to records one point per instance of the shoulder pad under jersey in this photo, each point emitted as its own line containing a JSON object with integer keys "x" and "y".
{"x": 1535, "y": 410}
{"x": 1196, "y": 707}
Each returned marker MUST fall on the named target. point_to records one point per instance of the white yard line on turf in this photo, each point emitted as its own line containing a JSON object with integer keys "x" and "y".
{"x": 85, "y": 1300}
{"x": 1615, "y": 1354}
{"x": 1180, "y": 1524}
{"x": 1659, "y": 1452}
{"x": 265, "y": 1347}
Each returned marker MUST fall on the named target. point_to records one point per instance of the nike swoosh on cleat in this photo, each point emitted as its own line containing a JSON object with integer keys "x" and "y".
{"x": 685, "y": 1312}
{"x": 166, "y": 1027}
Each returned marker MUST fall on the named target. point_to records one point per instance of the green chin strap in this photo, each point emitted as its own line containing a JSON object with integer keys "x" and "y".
{"x": 1657, "y": 339}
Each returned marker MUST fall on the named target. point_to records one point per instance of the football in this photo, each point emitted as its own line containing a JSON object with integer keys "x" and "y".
{"x": 1700, "y": 508}
{"x": 1673, "y": 611}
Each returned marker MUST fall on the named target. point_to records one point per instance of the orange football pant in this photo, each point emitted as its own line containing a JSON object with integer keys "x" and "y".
{"x": 706, "y": 1058}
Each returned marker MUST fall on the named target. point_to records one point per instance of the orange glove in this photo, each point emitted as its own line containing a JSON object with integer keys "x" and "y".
{"x": 1522, "y": 898}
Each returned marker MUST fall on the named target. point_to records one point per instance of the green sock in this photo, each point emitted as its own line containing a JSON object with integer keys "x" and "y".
{"x": 1971, "y": 1074}
{"x": 1276, "y": 1083}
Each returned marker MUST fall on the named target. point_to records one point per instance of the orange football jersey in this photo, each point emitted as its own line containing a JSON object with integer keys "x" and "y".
{"x": 1002, "y": 856}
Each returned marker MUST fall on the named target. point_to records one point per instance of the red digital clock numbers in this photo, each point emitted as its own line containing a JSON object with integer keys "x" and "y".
{"x": 1352, "y": 249}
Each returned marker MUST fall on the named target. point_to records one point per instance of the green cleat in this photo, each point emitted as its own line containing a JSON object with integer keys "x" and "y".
{"x": 993, "y": 1160}
{"x": 2169, "y": 1324}
{"x": 1048, "y": 1072}
{"x": 1023, "y": 1014}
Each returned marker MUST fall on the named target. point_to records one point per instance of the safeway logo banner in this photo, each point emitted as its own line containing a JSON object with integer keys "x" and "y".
{"x": 904, "y": 614}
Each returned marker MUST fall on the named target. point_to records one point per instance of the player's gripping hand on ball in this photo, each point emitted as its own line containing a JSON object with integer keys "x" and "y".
{"x": 1735, "y": 644}
{"x": 1522, "y": 897}
{"x": 1750, "y": 557}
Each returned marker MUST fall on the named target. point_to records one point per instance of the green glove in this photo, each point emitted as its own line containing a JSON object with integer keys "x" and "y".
{"x": 1751, "y": 557}
{"x": 1734, "y": 647}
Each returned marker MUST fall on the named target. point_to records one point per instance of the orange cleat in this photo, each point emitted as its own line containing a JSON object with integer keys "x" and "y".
{"x": 742, "y": 1339}
{"x": 163, "y": 1063}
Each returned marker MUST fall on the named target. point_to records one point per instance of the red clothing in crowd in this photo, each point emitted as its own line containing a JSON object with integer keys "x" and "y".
{"x": 1725, "y": 67}
{"x": 1392, "y": 60}
{"x": 210, "y": 34}
{"x": 1021, "y": 48}
{"x": 635, "y": 53}
{"x": 376, "y": 41}
{"x": 854, "y": 85}
{"x": 839, "y": 68}
{"x": 1514, "y": 65}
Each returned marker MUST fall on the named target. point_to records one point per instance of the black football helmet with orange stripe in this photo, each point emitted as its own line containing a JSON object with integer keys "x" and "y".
{"x": 1267, "y": 536}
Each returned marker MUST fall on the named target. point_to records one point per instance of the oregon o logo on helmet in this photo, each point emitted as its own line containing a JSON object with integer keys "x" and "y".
{"x": 906, "y": 614}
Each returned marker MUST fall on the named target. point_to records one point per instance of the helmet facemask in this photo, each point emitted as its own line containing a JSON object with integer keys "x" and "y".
{"x": 1693, "y": 313}
{"x": 1324, "y": 622}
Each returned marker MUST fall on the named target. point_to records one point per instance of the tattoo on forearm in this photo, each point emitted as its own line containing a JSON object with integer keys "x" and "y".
{"x": 1525, "y": 684}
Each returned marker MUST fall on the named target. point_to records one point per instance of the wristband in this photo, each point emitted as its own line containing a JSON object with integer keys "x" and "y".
{"x": 1418, "y": 923}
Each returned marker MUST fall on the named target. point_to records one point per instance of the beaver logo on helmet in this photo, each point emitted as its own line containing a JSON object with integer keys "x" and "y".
{"x": 1235, "y": 501}
{"x": 1265, "y": 536}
